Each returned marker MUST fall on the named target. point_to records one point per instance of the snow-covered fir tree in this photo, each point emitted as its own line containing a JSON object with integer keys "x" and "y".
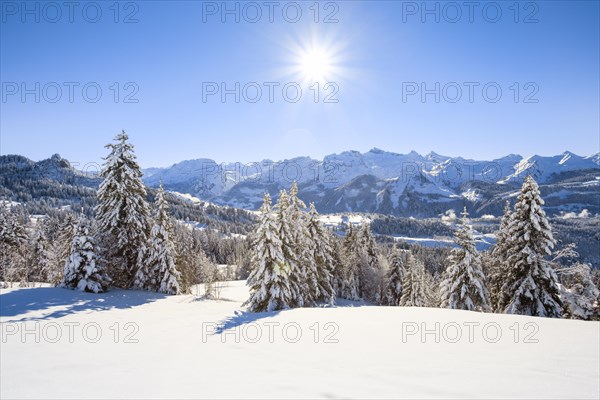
{"x": 394, "y": 277}
{"x": 13, "y": 245}
{"x": 122, "y": 211}
{"x": 64, "y": 229}
{"x": 463, "y": 286}
{"x": 370, "y": 268}
{"x": 338, "y": 264}
{"x": 347, "y": 273}
{"x": 191, "y": 260}
{"x": 531, "y": 286}
{"x": 321, "y": 255}
{"x": 157, "y": 270}
{"x": 41, "y": 255}
{"x": 416, "y": 289}
{"x": 579, "y": 293}
{"x": 498, "y": 267}
{"x": 307, "y": 267}
{"x": 82, "y": 270}
{"x": 13, "y": 231}
{"x": 269, "y": 279}
{"x": 292, "y": 255}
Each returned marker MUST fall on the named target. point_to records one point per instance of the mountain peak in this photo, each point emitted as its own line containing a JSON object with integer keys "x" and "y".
{"x": 433, "y": 156}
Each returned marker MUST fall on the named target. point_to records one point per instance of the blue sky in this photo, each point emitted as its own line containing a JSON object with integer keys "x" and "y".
{"x": 376, "y": 54}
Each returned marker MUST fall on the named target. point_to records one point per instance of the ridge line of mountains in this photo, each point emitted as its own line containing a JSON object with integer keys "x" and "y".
{"x": 390, "y": 183}
{"x": 375, "y": 181}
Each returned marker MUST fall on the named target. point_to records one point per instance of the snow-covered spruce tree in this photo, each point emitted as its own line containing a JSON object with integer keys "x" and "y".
{"x": 13, "y": 245}
{"x": 394, "y": 277}
{"x": 498, "y": 269}
{"x": 322, "y": 256}
{"x": 580, "y": 295}
{"x": 41, "y": 254}
{"x": 370, "y": 269}
{"x": 307, "y": 267}
{"x": 191, "y": 260}
{"x": 463, "y": 286}
{"x": 269, "y": 278}
{"x": 122, "y": 211}
{"x": 416, "y": 291}
{"x": 64, "y": 229}
{"x": 292, "y": 254}
{"x": 531, "y": 286}
{"x": 82, "y": 271}
{"x": 578, "y": 291}
{"x": 157, "y": 270}
{"x": 347, "y": 274}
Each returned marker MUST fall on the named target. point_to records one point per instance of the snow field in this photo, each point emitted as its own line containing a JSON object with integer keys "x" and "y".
{"x": 154, "y": 346}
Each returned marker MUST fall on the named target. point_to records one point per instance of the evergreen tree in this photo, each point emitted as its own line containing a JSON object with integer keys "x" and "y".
{"x": 370, "y": 269}
{"x": 338, "y": 265}
{"x": 13, "y": 244}
{"x": 65, "y": 225}
{"x": 191, "y": 258}
{"x": 157, "y": 270}
{"x": 498, "y": 268}
{"x": 41, "y": 255}
{"x": 82, "y": 271}
{"x": 416, "y": 291}
{"x": 395, "y": 275}
{"x": 13, "y": 230}
{"x": 122, "y": 211}
{"x": 348, "y": 272}
{"x": 321, "y": 256}
{"x": 269, "y": 279}
{"x": 302, "y": 242}
{"x": 580, "y": 295}
{"x": 292, "y": 255}
{"x": 464, "y": 285}
{"x": 531, "y": 286}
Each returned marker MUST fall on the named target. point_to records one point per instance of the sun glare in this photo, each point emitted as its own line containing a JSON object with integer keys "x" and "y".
{"x": 315, "y": 65}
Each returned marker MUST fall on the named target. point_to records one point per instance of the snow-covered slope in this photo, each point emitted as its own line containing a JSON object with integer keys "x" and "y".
{"x": 543, "y": 168}
{"x": 183, "y": 347}
{"x": 380, "y": 181}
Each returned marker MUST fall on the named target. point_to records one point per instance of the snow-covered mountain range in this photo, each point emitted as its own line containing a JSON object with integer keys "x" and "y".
{"x": 400, "y": 184}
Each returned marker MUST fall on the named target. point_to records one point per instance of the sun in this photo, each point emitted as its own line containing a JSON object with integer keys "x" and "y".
{"x": 315, "y": 65}
{"x": 315, "y": 59}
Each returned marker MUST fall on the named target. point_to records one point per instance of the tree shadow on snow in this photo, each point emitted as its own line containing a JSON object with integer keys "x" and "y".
{"x": 58, "y": 302}
{"x": 242, "y": 317}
